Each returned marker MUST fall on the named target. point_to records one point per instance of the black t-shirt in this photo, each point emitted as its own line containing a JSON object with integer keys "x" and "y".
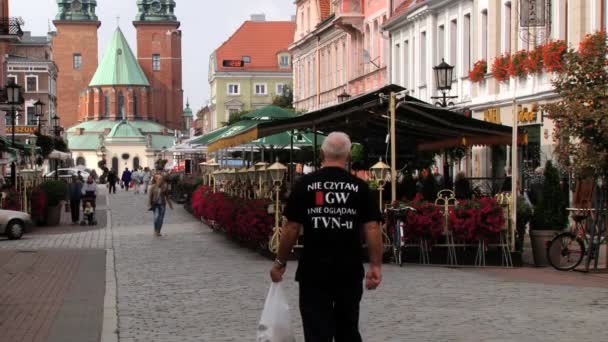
{"x": 333, "y": 206}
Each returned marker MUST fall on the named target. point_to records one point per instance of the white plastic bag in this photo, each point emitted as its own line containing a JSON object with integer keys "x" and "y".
{"x": 275, "y": 324}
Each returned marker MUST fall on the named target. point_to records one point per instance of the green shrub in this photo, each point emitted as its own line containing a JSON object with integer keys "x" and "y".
{"x": 56, "y": 191}
{"x": 550, "y": 210}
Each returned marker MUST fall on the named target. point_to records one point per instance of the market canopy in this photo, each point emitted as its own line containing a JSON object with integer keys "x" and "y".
{"x": 270, "y": 113}
{"x": 419, "y": 125}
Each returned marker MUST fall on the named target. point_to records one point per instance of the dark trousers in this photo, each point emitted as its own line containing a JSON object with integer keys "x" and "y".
{"x": 75, "y": 209}
{"x": 112, "y": 188}
{"x": 127, "y": 185}
{"x": 330, "y": 311}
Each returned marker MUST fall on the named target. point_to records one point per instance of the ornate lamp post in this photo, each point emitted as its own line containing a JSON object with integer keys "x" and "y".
{"x": 39, "y": 109}
{"x": 261, "y": 173}
{"x": 55, "y": 122}
{"x": 212, "y": 167}
{"x": 343, "y": 97}
{"x": 14, "y": 98}
{"x": 251, "y": 174}
{"x": 277, "y": 172}
{"x": 380, "y": 170}
{"x": 443, "y": 80}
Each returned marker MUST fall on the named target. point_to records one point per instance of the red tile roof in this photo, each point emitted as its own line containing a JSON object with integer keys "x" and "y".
{"x": 325, "y": 6}
{"x": 261, "y": 41}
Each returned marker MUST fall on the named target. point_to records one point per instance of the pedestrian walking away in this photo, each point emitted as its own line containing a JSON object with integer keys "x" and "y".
{"x": 126, "y": 178}
{"x": 334, "y": 208}
{"x": 147, "y": 179}
{"x": 135, "y": 178}
{"x": 112, "y": 180}
{"x": 75, "y": 196}
{"x": 158, "y": 200}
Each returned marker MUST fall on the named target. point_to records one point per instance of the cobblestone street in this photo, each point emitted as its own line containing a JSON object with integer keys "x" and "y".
{"x": 196, "y": 285}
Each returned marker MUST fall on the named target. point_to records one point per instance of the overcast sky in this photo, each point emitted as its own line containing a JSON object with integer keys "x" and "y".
{"x": 205, "y": 25}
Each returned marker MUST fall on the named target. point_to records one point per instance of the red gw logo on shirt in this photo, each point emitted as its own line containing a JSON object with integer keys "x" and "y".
{"x": 319, "y": 197}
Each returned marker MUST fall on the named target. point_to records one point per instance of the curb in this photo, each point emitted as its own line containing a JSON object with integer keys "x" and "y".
{"x": 109, "y": 332}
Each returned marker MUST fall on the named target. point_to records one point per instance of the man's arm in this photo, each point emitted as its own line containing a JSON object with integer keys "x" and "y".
{"x": 373, "y": 234}
{"x": 289, "y": 238}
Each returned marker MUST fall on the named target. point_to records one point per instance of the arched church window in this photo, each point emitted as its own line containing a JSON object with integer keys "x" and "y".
{"x": 106, "y": 104}
{"x": 115, "y": 164}
{"x": 135, "y": 104}
{"x": 121, "y": 105}
{"x": 135, "y": 163}
{"x": 81, "y": 161}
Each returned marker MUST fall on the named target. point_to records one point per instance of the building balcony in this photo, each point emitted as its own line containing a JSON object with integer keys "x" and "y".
{"x": 350, "y": 16}
{"x": 10, "y": 28}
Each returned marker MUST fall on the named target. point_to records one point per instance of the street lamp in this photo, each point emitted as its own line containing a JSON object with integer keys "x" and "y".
{"x": 277, "y": 172}
{"x": 55, "y": 122}
{"x": 443, "y": 80}
{"x": 39, "y": 109}
{"x": 260, "y": 169}
{"x": 14, "y": 98}
{"x": 343, "y": 97}
{"x": 380, "y": 170}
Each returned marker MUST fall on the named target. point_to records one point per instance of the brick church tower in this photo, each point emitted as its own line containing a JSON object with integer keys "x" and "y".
{"x": 159, "y": 52}
{"x": 76, "y": 54}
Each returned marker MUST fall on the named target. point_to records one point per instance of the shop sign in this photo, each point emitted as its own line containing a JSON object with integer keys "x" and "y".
{"x": 492, "y": 115}
{"x": 527, "y": 116}
{"x": 533, "y": 13}
{"x": 22, "y": 129}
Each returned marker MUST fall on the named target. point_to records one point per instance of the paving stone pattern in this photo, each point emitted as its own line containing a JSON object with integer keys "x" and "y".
{"x": 196, "y": 285}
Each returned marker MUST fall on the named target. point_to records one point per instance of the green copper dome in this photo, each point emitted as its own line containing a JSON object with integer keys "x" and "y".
{"x": 187, "y": 111}
{"x": 119, "y": 65}
{"x": 76, "y": 10}
{"x": 156, "y": 10}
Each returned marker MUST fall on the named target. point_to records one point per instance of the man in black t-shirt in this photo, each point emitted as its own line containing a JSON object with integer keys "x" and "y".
{"x": 335, "y": 210}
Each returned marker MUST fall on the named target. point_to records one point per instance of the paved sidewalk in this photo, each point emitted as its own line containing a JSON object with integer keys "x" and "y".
{"x": 195, "y": 285}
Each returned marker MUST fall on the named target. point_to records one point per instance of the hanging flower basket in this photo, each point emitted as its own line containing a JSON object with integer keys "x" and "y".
{"x": 533, "y": 64}
{"x": 516, "y": 66}
{"x": 500, "y": 67}
{"x": 553, "y": 55}
{"x": 480, "y": 69}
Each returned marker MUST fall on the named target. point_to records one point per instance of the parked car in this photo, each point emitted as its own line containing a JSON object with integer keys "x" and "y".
{"x": 13, "y": 224}
{"x": 67, "y": 173}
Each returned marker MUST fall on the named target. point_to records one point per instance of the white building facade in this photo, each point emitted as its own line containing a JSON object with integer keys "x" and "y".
{"x": 466, "y": 31}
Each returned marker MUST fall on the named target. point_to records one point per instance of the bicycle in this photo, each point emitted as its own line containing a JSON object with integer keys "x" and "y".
{"x": 398, "y": 241}
{"x": 566, "y": 251}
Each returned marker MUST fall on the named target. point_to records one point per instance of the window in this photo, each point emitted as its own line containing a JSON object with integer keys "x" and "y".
{"x": 30, "y": 116}
{"x": 423, "y": 71}
{"x": 81, "y": 161}
{"x": 115, "y": 163}
{"x": 466, "y": 31}
{"x": 11, "y": 79}
{"x": 156, "y": 62}
{"x": 440, "y": 43}
{"x": 77, "y": 61}
{"x": 31, "y": 83}
{"x": 397, "y": 63}
{"x": 106, "y": 104}
{"x": 135, "y": 104}
{"x": 280, "y": 89}
{"x": 234, "y": 89}
{"x": 284, "y": 61}
{"x": 260, "y": 89}
{"x": 121, "y": 105}
{"x": 135, "y": 163}
{"x": 246, "y": 59}
{"x": 406, "y": 64}
{"x": 454, "y": 46}
{"x": 484, "y": 35}
{"x": 507, "y": 27}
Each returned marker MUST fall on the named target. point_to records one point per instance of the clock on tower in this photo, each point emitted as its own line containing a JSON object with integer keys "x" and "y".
{"x": 156, "y": 10}
{"x": 76, "y": 10}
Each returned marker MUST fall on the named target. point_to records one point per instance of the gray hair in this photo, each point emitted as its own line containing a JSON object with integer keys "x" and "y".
{"x": 336, "y": 146}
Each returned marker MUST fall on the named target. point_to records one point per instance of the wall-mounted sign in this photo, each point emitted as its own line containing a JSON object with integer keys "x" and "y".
{"x": 22, "y": 129}
{"x": 233, "y": 63}
{"x": 533, "y": 13}
{"x": 527, "y": 115}
{"x": 492, "y": 115}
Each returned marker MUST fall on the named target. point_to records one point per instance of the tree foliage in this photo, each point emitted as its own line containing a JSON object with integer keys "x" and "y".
{"x": 581, "y": 122}
{"x": 235, "y": 117}
{"x": 284, "y": 100}
{"x": 550, "y": 211}
{"x": 45, "y": 143}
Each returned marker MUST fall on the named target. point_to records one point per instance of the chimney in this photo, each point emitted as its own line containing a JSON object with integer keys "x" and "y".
{"x": 258, "y": 17}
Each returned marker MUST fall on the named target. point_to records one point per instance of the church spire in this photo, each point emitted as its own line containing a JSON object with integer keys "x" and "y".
{"x": 76, "y": 10}
{"x": 156, "y": 10}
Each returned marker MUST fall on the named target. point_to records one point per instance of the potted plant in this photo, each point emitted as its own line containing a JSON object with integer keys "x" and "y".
{"x": 56, "y": 192}
{"x": 500, "y": 67}
{"x": 477, "y": 74}
{"x": 550, "y": 215}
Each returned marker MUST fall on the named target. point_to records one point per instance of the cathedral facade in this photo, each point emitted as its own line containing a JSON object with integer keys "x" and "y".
{"x": 146, "y": 86}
